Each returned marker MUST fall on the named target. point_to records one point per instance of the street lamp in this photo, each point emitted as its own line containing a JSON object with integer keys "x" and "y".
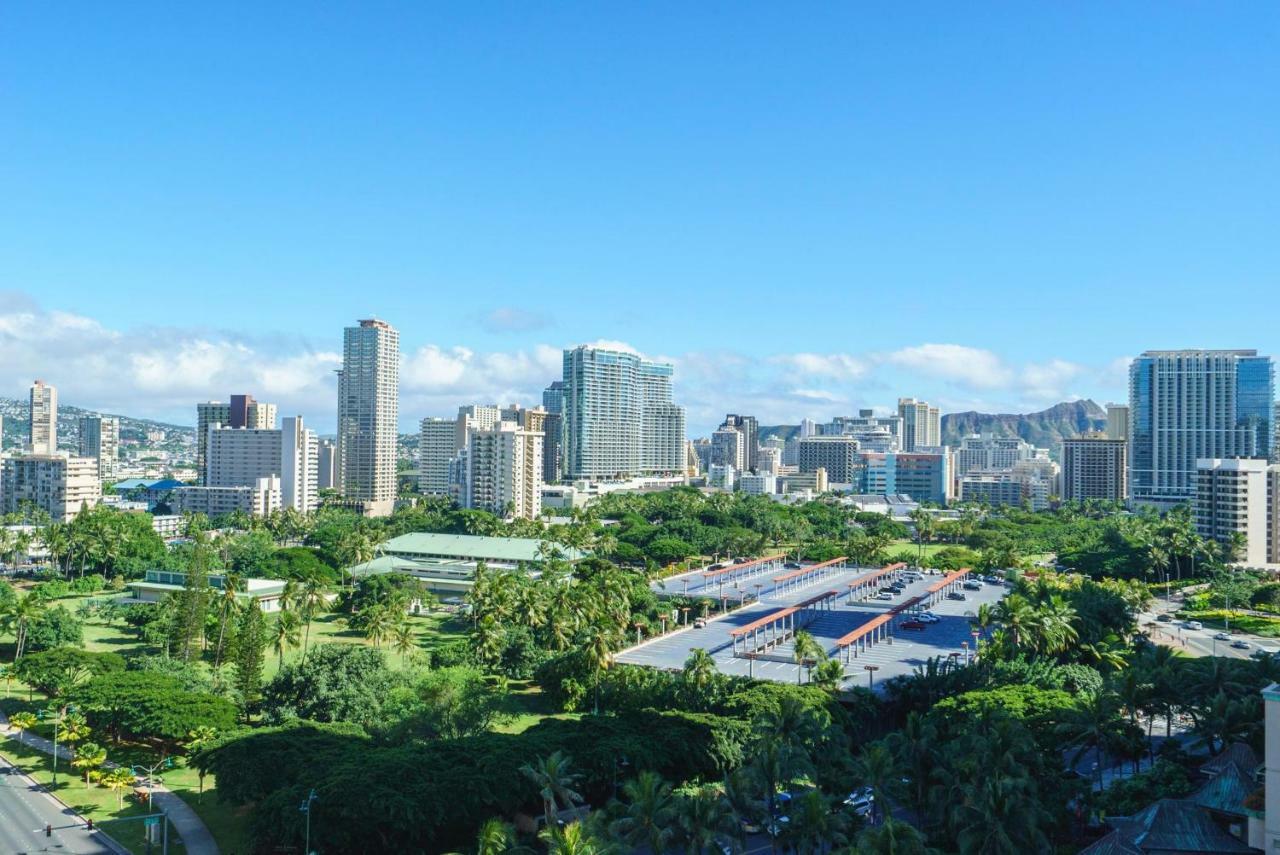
{"x": 975, "y": 635}
{"x": 871, "y": 675}
{"x": 306, "y": 809}
{"x": 58, "y": 714}
{"x": 150, "y": 776}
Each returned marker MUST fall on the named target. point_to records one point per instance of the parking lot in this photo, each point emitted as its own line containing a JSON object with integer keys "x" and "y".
{"x": 897, "y": 652}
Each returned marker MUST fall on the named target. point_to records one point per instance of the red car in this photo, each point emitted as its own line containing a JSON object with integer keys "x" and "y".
{"x": 917, "y": 625}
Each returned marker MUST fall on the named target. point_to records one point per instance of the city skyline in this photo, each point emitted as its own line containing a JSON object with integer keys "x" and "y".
{"x": 678, "y": 179}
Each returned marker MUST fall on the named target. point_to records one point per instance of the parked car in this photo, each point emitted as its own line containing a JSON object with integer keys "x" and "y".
{"x": 1240, "y": 644}
{"x": 716, "y": 567}
{"x": 699, "y": 623}
{"x": 883, "y": 596}
{"x": 791, "y": 565}
{"x": 861, "y": 802}
{"x": 914, "y": 625}
{"x": 973, "y": 586}
{"x": 741, "y": 560}
{"x": 928, "y": 617}
{"x": 956, "y": 595}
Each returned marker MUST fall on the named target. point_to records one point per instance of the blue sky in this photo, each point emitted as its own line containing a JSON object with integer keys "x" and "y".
{"x": 809, "y": 207}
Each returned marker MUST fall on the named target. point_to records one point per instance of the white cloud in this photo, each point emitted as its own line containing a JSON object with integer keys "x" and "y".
{"x": 162, "y": 372}
{"x": 970, "y": 366}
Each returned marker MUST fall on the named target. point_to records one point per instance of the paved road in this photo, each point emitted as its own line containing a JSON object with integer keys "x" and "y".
{"x": 1198, "y": 642}
{"x": 25, "y": 810}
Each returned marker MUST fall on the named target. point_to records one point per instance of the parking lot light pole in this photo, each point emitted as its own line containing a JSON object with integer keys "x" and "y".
{"x": 306, "y": 809}
{"x": 871, "y": 675}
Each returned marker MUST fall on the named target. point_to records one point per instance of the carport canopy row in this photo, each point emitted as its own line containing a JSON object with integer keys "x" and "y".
{"x": 773, "y": 629}
{"x": 880, "y": 628}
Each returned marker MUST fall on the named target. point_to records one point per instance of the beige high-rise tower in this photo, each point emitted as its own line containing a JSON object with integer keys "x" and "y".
{"x": 921, "y": 424}
{"x": 368, "y": 412}
{"x": 43, "y": 435}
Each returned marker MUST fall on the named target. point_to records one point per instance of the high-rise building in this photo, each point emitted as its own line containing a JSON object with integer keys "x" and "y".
{"x": 238, "y": 457}
{"x": 327, "y": 465}
{"x": 300, "y": 466}
{"x": 1234, "y": 500}
{"x": 437, "y": 447}
{"x": 993, "y": 452}
{"x": 54, "y": 483}
{"x": 1094, "y": 466}
{"x": 1186, "y": 405}
{"x": 368, "y": 412}
{"x": 808, "y": 428}
{"x": 750, "y": 428}
{"x": 924, "y": 476}
{"x": 838, "y": 455}
{"x": 42, "y": 437}
{"x": 504, "y": 470}
{"x": 619, "y": 420}
{"x": 258, "y": 499}
{"x": 921, "y": 424}
{"x": 729, "y": 448}
{"x": 100, "y": 440}
{"x": 474, "y": 417}
{"x": 1118, "y": 421}
{"x": 248, "y": 413}
{"x": 553, "y": 441}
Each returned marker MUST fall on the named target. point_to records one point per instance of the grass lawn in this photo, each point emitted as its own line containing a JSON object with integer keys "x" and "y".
{"x": 527, "y": 706}
{"x": 433, "y": 630}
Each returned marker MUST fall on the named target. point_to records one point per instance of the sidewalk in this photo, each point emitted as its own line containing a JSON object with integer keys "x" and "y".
{"x": 196, "y": 837}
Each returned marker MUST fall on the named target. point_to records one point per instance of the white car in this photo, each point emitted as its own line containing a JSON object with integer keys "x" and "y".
{"x": 1193, "y": 624}
{"x": 884, "y": 596}
{"x": 1221, "y": 636}
{"x": 928, "y": 617}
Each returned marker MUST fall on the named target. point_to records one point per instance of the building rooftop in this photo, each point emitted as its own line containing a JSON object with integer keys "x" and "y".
{"x": 1167, "y": 827}
{"x": 470, "y": 547}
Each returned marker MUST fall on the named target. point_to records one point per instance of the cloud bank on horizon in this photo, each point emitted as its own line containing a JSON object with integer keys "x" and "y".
{"x": 162, "y": 371}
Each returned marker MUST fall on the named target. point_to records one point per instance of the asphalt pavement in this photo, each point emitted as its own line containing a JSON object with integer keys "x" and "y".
{"x": 1199, "y": 642}
{"x": 26, "y": 809}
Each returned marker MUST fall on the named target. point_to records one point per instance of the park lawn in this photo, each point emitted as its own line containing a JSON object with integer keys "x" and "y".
{"x": 433, "y": 630}
{"x": 527, "y": 705}
{"x": 932, "y": 549}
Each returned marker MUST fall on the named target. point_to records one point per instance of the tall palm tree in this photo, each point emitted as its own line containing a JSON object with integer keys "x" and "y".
{"x": 699, "y": 669}
{"x": 807, "y": 651}
{"x": 17, "y": 617}
{"x": 379, "y": 624}
{"x": 89, "y": 756}
{"x": 311, "y": 602}
{"x": 1089, "y": 726}
{"x": 599, "y": 652}
{"x": 404, "y": 640}
{"x": 892, "y": 837}
{"x": 555, "y": 779}
{"x": 286, "y": 634}
{"x": 573, "y": 839}
{"x": 232, "y": 585}
{"x": 877, "y": 769}
{"x": 649, "y": 814}
{"x": 706, "y": 821}
{"x": 118, "y": 780}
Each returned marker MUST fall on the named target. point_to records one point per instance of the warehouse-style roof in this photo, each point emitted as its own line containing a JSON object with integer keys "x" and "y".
{"x": 502, "y": 550}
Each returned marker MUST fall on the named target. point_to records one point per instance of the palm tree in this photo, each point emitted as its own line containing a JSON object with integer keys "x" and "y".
{"x": 806, "y": 651}
{"x": 118, "y": 780}
{"x": 829, "y": 674}
{"x": 285, "y": 634}
{"x": 599, "y": 652}
{"x": 699, "y": 669}
{"x": 706, "y": 820}
{"x": 649, "y": 813}
{"x": 311, "y": 602}
{"x": 555, "y": 779}
{"x": 404, "y": 640}
{"x": 497, "y": 838}
{"x": 232, "y": 584}
{"x": 915, "y": 752}
{"x": 89, "y": 756}
{"x": 573, "y": 839}
{"x": 876, "y": 768}
{"x": 17, "y": 617}
{"x": 22, "y": 721}
{"x": 379, "y": 624}
{"x": 1089, "y": 726}
{"x": 199, "y": 738}
{"x": 892, "y": 837}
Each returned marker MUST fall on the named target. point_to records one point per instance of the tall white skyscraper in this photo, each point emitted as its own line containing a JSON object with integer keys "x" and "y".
{"x": 42, "y": 437}
{"x": 504, "y": 470}
{"x": 1187, "y": 405}
{"x": 238, "y": 457}
{"x": 368, "y": 411}
{"x": 100, "y": 440}
{"x": 619, "y": 419}
{"x": 327, "y": 461}
{"x": 299, "y": 462}
{"x": 921, "y": 424}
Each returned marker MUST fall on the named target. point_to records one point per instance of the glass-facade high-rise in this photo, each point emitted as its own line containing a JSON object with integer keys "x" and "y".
{"x": 618, "y": 417}
{"x": 1187, "y": 405}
